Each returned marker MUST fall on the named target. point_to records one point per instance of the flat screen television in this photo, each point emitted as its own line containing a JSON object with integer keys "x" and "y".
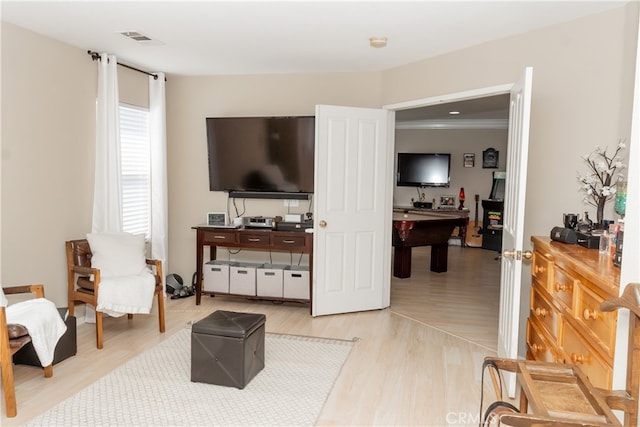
{"x": 261, "y": 157}
{"x": 423, "y": 170}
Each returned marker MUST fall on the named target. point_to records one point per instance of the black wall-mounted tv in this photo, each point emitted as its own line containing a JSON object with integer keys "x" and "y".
{"x": 261, "y": 157}
{"x": 423, "y": 170}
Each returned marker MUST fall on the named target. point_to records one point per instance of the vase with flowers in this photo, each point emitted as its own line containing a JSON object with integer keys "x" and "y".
{"x": 599, "y": 184}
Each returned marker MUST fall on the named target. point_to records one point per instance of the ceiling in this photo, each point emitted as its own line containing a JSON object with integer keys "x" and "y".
{"x": 260, "y": 37}
{"x": 257, "y": 37}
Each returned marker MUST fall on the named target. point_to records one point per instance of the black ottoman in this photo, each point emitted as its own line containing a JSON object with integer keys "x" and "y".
{"x": 227, "y": 348}
{"x": 65, "y": 348}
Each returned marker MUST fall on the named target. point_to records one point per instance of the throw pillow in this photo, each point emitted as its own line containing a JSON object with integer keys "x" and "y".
{"x": 117, "y": 254}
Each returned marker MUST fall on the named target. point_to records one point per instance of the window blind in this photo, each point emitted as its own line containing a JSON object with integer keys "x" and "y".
{"x": 136, "y": 169}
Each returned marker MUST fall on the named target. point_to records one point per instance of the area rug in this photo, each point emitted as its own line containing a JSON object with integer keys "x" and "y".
{"x": 154, "y": 389}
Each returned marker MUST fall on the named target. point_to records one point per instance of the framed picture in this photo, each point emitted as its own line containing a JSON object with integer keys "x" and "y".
{"x": 469, "y": 160}
{"x": 447, "y": 200}
{"x": 490, "y": 158}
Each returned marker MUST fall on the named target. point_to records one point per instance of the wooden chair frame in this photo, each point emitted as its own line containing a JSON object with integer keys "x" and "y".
{"x": 79, "y": 265}
{"x": 9, "y": 347}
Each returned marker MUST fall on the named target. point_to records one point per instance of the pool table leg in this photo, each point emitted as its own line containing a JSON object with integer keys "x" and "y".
{"x": 402, "y": 262}
{"x": 439, "y": 255}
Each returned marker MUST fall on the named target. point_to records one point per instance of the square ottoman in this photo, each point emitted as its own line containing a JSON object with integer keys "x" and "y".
{"x": 227, "y": 348}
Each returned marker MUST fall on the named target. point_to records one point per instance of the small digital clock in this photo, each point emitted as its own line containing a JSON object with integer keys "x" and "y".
{"x": 217, "y": 218}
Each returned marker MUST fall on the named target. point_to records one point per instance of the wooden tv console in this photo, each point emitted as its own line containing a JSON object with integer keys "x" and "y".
{"x": 252, "y": 239}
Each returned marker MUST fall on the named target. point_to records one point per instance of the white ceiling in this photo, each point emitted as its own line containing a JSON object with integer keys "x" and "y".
{"x": 244, "y": 37}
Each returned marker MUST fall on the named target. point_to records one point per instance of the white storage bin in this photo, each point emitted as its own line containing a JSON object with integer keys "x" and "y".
{"x": 242, "y": 278}
{"x": 269, "y": 280}
{"x": 296, "y": 282}
{"x": 215, "y": 276}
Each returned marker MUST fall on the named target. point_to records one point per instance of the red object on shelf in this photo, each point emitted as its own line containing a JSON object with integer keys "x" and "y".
{"x": 461, "y": 198}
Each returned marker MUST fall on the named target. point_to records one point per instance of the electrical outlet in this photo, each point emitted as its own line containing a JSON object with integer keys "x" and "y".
{"x": 292, "y": 203}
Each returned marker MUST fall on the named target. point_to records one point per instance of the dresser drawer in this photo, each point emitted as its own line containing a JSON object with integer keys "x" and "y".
{"x": 220, "y": 236}
{"x": 288, "y": 241}
{"x": 545, "y": 313}
{"x": 562, "y": 287}
{"x": 581, "y": 353}
{"x": 599, "y": 324}
{"x": 538, "y": 345}
{"x": 254, "y": 238}
{"x": 541, "y": 269}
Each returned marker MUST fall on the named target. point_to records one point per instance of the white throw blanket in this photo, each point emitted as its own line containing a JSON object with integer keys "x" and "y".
{"x": 41, "y": 318}
{"x": 118, "y": 296}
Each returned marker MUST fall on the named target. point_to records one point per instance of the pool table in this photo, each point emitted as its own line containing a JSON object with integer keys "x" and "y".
{"x": 411, "y": 229}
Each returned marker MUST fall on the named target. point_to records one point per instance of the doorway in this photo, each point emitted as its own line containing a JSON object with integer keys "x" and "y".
{"x": 465, "y": 301}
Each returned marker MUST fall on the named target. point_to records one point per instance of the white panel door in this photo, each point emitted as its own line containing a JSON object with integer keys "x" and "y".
{"x": 352, "y": 214}
{"x": 513, "y": 223}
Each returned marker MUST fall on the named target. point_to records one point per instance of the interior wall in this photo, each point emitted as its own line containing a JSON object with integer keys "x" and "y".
{"x": 190, "y": 100}
{"x": 48, "y": 126}
{"x": 582, "y": 88}
{"x": 48, "y": 138}
{"x": 457, "y": 142}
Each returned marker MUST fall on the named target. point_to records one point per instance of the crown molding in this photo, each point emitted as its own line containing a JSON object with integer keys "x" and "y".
{"x": 454, "y": 124}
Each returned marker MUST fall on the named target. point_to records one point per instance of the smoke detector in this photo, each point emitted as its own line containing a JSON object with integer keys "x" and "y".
{"x": 377, "y": 41}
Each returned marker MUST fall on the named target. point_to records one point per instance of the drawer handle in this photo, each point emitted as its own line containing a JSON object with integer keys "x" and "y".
{"x": 562, "y": 287}
{"x": 219, "y": 237}
{"x": 253, "y": 239}
{"x": 537, "y": 348}
{"x": 590, "y": 314}
{"x": 541, "y": 312}
{"x": 579, "y": 358}
{"x": 288, "y": 241}
{"x": 539, "y": 269}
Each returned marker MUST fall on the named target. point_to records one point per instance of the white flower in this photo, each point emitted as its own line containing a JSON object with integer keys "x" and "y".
{"x": 599, "y": 185}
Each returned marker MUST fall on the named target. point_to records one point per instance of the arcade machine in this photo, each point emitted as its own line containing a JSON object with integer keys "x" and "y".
{"x": 493, "y": 208}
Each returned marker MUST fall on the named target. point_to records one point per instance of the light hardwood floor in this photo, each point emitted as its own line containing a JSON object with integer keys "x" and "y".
{"x": 416, "y": 363}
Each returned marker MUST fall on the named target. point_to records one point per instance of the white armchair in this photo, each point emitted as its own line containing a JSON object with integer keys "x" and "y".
{"x": 110, "y": 272}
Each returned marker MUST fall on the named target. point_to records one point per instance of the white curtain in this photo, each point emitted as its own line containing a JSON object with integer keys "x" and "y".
{"x": 107, "y": 211}
{"x": 157, "y": 133}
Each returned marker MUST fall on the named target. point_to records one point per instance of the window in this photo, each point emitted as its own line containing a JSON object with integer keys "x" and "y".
{"x": 136, "y": 169}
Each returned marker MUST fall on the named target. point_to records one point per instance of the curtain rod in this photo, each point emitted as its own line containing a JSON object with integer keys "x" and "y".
{"x": 96, "y": 57}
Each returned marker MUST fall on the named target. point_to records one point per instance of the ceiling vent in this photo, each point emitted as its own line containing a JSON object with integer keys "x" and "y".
{"x": 134, "y": 35}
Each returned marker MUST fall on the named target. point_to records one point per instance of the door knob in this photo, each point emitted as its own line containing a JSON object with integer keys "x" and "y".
{"x": 514, "y": 254}
{"x": 322, "y": 223}
{"x": 509, "y": 254}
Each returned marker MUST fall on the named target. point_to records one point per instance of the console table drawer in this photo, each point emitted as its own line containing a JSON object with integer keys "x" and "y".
{"x": 257, "y": 239}
{"x": 220, "y": 236}
{"x": 284, "y": 241}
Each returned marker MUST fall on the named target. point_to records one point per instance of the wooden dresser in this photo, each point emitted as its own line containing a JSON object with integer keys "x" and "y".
{"x": 565, "y": 322}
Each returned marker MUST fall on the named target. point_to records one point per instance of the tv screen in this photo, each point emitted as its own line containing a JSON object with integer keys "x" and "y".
{"x": 423, "y": 170}
{"x": 270, "y": 157}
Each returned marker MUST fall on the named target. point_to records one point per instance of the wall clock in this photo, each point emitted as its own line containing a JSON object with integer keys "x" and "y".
{"x": 490, "y": 158}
